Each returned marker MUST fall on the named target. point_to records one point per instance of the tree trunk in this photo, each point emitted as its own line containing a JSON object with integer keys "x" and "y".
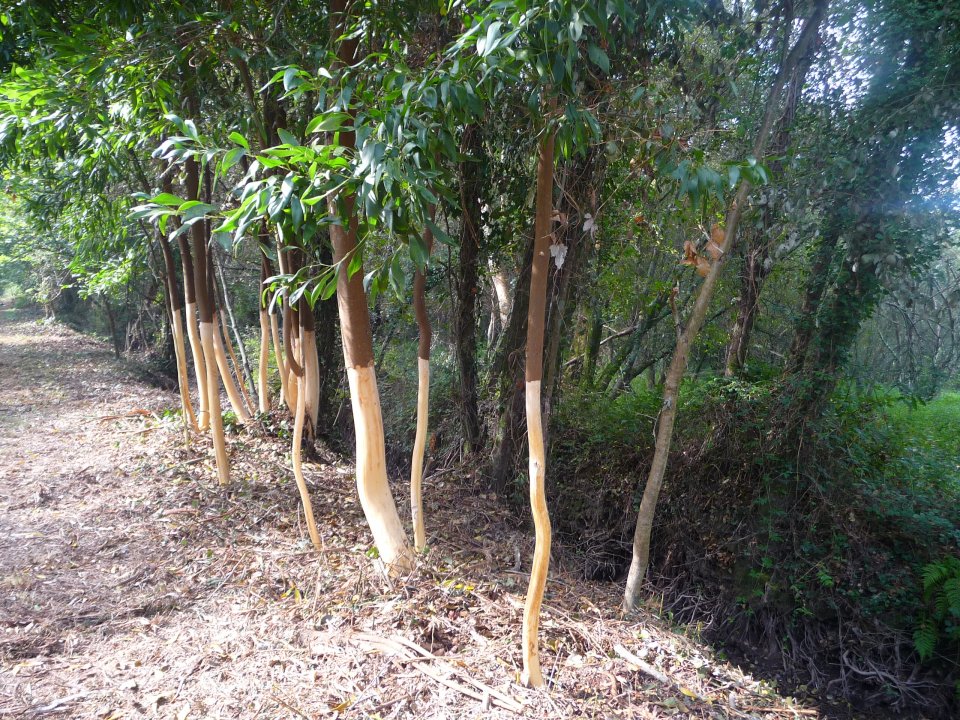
{"x": 372, "y": 485}
{"x": 536, "y": 311}
{"x": 465, "y": 318}
{"x": 668, "y": 412}
{"x": 423, "y": 399}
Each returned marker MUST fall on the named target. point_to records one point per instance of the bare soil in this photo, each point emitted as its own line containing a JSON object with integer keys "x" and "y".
{"x": 132, "y": 586}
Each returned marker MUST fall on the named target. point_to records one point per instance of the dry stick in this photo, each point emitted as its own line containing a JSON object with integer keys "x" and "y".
{"x": 423, "y": 397}
{"x": 296, "y": 451}
{"x": 657, "y": 675}
{"x": 671, "y": 392}
{"x": 536, "y": 312}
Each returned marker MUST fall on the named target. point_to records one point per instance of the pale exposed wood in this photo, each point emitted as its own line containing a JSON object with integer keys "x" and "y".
{"x": 236, "y": 402}
{"x": 541, "y": 552}
{"x": 419, "y": 445}
{"x": 199, "y": 366}
{"x": 180, "y": 351}
{"x": 213, "y": 398}
{"x": 372, "y": 485}
{"x": 296, "y": 452}
{"x": 263, "y": 368}
{"x": 311, "y": 368}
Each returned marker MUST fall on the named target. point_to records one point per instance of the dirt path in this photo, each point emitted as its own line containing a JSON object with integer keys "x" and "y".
{"x": 131, "y": 586}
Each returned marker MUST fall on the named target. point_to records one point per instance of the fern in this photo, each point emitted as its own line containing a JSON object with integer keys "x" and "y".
{"x": 941, "y": 592}
{"x": 925, "y": 639}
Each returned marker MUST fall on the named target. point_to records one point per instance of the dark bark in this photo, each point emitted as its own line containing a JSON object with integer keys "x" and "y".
{"x": 467, "y": 284}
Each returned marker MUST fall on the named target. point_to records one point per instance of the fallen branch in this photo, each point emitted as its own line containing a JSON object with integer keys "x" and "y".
{"x": 405, "y": 649}
{"x": 657, "y": 675}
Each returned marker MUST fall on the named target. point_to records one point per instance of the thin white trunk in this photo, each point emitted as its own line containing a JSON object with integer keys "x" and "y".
{"x": 263, "y": 369}
{"x": 419, "y": 446}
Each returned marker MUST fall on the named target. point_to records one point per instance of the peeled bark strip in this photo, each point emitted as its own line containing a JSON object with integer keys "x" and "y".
{"x": 372, "y": 486}
{"x": 534, "y": 374}
{"x": 423, "y": 401}
{"x": 296, "y": 453}
{"x": 671, "y": 392}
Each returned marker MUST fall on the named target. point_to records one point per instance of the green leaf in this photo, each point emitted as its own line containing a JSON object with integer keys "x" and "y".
{"x": 328, "y": 122}
{"x": 599, "y": 57}
{"x": 239, "y": 140}
{"x": 168, "y": 199}
{"x": 287, "y": 137}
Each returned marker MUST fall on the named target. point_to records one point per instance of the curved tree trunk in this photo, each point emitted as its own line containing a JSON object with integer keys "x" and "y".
{"x": 534, "y": 373}
{"x": 671, "y": 392}
{"x": 423, "y": 399}
{"x": 372, "y": 485}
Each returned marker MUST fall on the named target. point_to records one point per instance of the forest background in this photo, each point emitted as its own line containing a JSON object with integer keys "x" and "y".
{"x": 703, "y": 255}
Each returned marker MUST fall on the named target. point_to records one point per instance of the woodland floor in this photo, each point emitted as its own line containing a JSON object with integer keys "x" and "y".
{"x": 132, "y": 586}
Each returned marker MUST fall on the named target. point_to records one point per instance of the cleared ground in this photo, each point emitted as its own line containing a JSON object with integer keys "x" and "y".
{"x": 132, "y": 586}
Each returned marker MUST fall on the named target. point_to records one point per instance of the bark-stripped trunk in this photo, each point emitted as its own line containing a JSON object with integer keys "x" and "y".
{"x": 372, "y": 485}
{"x": 176, "y": 326}
{"x": 465, "y": 319}
{"x": 207, "y": 327}
{"x": 534, "y": 373}
{"x": 423, "y": 399}
{"x": 678, "y": 365}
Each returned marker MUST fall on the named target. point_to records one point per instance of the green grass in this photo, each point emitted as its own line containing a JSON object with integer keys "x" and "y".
{"x": 934, "y": 426}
